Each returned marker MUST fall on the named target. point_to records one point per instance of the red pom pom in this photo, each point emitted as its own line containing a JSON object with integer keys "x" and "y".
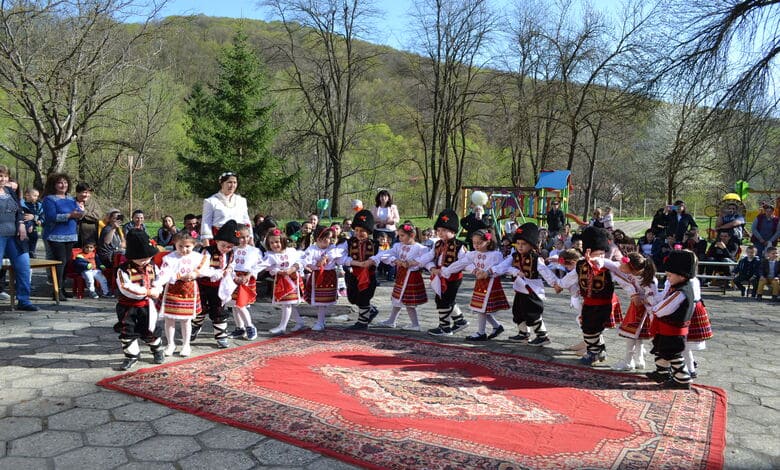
{"x": 276, "y": 232}
{"x": 519, "y": 230}
{"x": 625, "y": 260}
{"x": 488, "y": 236}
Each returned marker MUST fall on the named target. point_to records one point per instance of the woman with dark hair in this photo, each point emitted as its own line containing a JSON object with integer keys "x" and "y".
{"x": 222, "y": 206}
{"x": 166, "y": 232}
{"x": 60, "y": 229}
{"x": 385, "y": 215}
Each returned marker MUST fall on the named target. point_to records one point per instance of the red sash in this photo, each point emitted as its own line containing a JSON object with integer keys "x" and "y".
{"x": 284, "y": 286}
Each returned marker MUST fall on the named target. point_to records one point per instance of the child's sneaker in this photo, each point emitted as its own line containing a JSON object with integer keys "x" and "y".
{"x": 319, "y": 326}
{"x": 411, "y": 327}
{"x": 251, "y": 333}
{"x": 276, "y": 330}
{"x": 194, "y": 334}
{"x": 185, "y": 351}
{"x": 299, "y": 326}
{"x": 477, "y": 337}
{"x": 440, "y": 331}
{"x": 128, "y": 363}
{"x": 93, "y": 295}
{"x": 624, "y": 366}
{"x": 459, "y": 325}
{"x": 222, "y": 343}
{"x": 589, "y": 358}
{"x": 540, "y": 341}
{"x": 519, "y": 337}
{"x": 159, "y": 357}
{"x": 169, "y": 350}
{"x": 238, "y": 333}
{"x": 386, "y": 324}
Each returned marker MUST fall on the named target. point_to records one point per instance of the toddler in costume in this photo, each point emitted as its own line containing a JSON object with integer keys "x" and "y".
{"x": 597, "y": 290}
{"x": 219, "y": 255}
{"x": 285, "y": 265}
{"x": 529, "y": 269}
{"x": 181, "y": 297}
{"x": 672, "y": 317}
{"x": 361, "y": 279}
{"x": 699, "y": 331}
{"x": 639, "y": 281}
{"x": 88, "y": 264}
{"x": 488, "y": 296}
{"x": 321, "y": 258}
{"x": 135, "y": 309}
{"x": 239, "y": 290}
{"x": 409, "y": 288}
{"x": 446, "y": 251}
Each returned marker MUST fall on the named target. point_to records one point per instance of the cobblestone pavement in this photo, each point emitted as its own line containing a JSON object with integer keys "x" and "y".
{"x": 52, "y": 415}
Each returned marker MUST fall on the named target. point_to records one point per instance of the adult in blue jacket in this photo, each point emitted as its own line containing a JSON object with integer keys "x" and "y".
{"x": 60, "y": 229}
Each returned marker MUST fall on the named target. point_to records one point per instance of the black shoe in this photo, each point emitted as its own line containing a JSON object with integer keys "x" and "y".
{"x": 372, "y": 313}
{"x": 440, "y": 331}
{"x": 544, "y": 340}
{"x": 659, "y": 377}
{"x": 67, "y": 294}
{"x": 694, "y": 375}
{"x": 496, "y": 331}
{"x": 358, "y": 326}
{"x": 27, "y": 307}
{"x": 128, "y": 363}
{"x": 159, "y": 356}
{"x": 63, "y": 297}
{"x": 477, "y": 337}
{"x": 459, "y": 325}
{"x": 519, "y": 337}
{"x": 195, "y": 333}
{"x": 675, "y": 385}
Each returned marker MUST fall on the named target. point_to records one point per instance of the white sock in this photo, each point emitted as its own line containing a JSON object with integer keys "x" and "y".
{"x": 481, "y": 323}
{"x": 493, "y": 322}
{"x": 630, "y": 348}
{"x": 321, "y": 313}
{"x": 412, "y": 312}
{"x": 394, "y": 315}
{"x": 246, "y": 317}
{"x": 689, "y": 360}
{"x": 186, "y": 331}
{"x": 170, "y": 330}
{"x": 239, "y": 321}
{"x": 286, "y": 311}
{"x": 296, "y": 316}
{"x": 639, "y": 352}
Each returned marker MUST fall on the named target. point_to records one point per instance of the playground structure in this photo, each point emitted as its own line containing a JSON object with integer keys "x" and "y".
{"x": 524, "y": 202}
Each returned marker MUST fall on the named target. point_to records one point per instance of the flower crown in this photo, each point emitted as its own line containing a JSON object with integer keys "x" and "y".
{"x": 276, "y": 232}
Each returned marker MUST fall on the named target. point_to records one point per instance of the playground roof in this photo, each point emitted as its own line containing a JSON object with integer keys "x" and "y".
{"x": 557, "y": 179}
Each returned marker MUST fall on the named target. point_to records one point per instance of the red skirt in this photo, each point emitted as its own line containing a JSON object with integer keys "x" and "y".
{"x": 182, "y": 300}
{"x": 631, "y": 322}
{"x": 700, "y": 328}
{"x": 616, "y": 315}
{"x": 287, "y": 289}
{"x": 321, "y": 289}
{"x": 496, "y": 299}
{"x": 245, "y": 294}
{"x": 414, "y": 293}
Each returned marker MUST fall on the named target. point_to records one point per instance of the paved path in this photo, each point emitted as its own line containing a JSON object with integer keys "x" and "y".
{"x": 52, "y": 415}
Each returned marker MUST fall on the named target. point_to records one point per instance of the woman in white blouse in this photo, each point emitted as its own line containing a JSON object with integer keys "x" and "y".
{"x": 385, "y": 215}
{"x": 223, "y": 206}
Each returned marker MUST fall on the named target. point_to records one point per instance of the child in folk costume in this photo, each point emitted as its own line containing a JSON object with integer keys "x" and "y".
{"x": 361, "y": 279}
{"x": 597, "y": 290}
{"x": 699, "y": 331}
{"x": 639, "y": 281}
{"x": 409, "y": 288}
{"x": 135, "y": 309}
{"x": 672, "y": 318}
{"x": 284, "y": 263}
{"x": 446, "y": 251}
{"x": 321, "y": 258}
{"x": 488, "y": 296}
{"x": 568, "y": 259}
{"x": 181, "y": 297}
{"x": 240, "y": 289}
{"x": 219, "y": 255}
{"x": 530, "y": 271}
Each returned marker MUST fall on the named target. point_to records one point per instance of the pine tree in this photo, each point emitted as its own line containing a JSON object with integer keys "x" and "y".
{"x": 231, "y": 130}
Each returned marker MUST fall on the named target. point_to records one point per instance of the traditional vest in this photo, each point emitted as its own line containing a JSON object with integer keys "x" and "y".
{"x": 215, "y": 261}
{"x": 529, "y": 264}
{"x": 136, "y": 275}
{"x": 450, "y": 248}
{"x": 676, "y": 324}
{"x": 596, "y": 288}
{"x": 369, "y": 249}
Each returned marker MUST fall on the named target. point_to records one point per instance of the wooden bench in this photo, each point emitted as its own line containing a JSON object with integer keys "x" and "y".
{"x": 34, "y": 264}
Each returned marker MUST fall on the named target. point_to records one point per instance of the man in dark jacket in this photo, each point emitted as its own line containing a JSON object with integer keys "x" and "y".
{"x": 555, "y": 219}
{"x": 679, "y": 221}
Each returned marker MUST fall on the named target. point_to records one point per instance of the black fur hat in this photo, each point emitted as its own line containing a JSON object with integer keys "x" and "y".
{"x": 528, "y": 232}
{"x": 228, "y": 232}
{"x": 682, "y": 262}
{"x": 364, "y": 219}
{"x": 138, "y": 245}
{"x": 448, "y": 219}
{"x": 595, "y": 239}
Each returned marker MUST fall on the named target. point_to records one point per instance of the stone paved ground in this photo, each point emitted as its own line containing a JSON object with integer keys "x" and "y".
{"x": 52, "y": 415}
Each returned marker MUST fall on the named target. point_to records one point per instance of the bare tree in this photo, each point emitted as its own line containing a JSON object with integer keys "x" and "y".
{"x": 326, "y": 66}
{"x": 452, "y": 34}
{"x": 62, "y": 62}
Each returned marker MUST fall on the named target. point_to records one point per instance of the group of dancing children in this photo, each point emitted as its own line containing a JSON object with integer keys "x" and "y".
{"x": 188, "y": 286}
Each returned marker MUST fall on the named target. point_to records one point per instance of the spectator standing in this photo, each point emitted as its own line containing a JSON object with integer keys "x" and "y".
{"x": 13, "y": 234}
{"x": 608, "y": 219}
{"x": 60, "y": 229}
{"x": 679, "y": 221}
{"x": 596, "y": 220}
{"x": 660, "y": 222}
{"x": 476, "y": 220}
{"x": 556, "y": 219}
{"x": 385, "y": 215}
{"x": 766, "y": 230}
{"x": 88, "y": 226}
{"x": 222, "y": 206}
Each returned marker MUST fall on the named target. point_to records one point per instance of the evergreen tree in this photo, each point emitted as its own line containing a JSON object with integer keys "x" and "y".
{"x": 231, "y": 130}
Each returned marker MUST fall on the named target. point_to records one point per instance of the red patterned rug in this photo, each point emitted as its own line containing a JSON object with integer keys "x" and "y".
{"x": 388, "y": 402}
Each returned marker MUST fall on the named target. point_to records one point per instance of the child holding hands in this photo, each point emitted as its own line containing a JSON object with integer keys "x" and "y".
{"x": 638, "y": 273}
{"x": 284, "y": 264}
{"x": 244, "y": 268}
{"x": 488, "y": 296}
{"x": 321, "y": 258}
